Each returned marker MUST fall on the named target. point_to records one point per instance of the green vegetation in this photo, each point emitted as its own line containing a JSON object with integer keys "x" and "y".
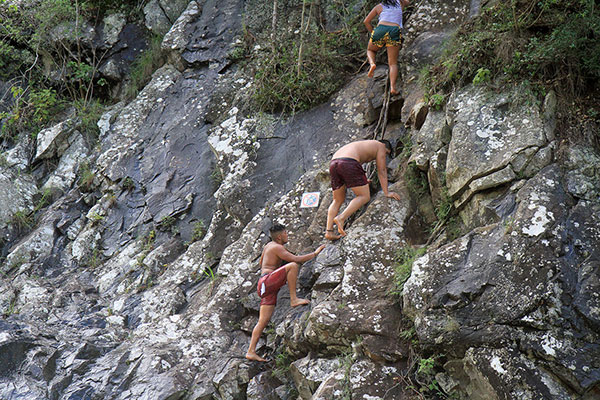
{"x": 548, "y": 43}
{"x": 92, "y": 260}
{"x": 45, "y": 40}
{"x": 482, "y": 76}
{"x": 208, "y": 272}
{"x": 147, "y": 244}
{"x": 437, "y": 101}
{"x": 95, "y": 218}
{"x": 199, "y": 231}
{"x": 409, "y": 334}
{"x": 148, "y": 240}
{"x": 425, "y": 376}
{"x": 346, "y": 361}
{"x": 416, "y": 180}
{"x": 12, "y": 308}
{"x": 283, "y": 361}
{"x": 22, "y": 220}
{"x": 89, "y": 112}
{"x": 86, "y": 177}
{"x": 405, "y": 257}
{"x": 127, "y": 183}
{"x": 167, "y": 223}
{"x": 289, "y": 74}
{"x": 407, "y": 144}
{"x": 145, "y": 65}
{"x": 45, "y": 199}
{"x": 216, "y": 175}
{"x": 31, "y": 111}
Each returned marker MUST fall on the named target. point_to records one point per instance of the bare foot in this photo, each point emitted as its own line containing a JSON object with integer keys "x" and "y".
{"x": 254, "y": 357}
{"x": 299, "y": 302}
{"x": 394, "y": 92}
{"x": 331, "y": 236}
{"x": 340, "y": 226}
{"x": 371, "y": 71}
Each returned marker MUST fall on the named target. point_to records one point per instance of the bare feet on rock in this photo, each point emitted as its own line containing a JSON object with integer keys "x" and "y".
{"x": 371, "y": 71}
{"x": 329, "y": 235}
{"x": 340, "y": 226}
{"x": 254, "y": 357}
{"x": 299, "y": 302}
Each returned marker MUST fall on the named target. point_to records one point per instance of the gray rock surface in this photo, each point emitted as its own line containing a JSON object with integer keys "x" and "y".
{"x": 488, "y": 135}
{"x": 161, "y": 14}
{"x": 458, "y": 296}
{"x": 141, "y": 285}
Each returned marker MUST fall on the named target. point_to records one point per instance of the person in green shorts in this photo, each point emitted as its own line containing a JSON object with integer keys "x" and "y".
{"x": 387, "y": 33}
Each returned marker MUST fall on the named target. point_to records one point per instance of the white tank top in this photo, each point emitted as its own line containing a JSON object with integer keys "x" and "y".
{"x": 391, "y": 14}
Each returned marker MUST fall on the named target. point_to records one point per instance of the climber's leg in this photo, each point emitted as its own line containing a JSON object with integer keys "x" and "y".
{"x": 339, "y": 195}
{"x": 372, "y": 50}
{"x": 292, "y": 278}
{"x": 265, "y": 313}
{"x": 392, "y": 52}
{"x": 363, "y": 195}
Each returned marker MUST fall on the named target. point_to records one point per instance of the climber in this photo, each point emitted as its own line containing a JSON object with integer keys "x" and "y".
{"x": 346, "y": 171}
{"x": 273, "y": 277}
{"x": 387, "y": 33}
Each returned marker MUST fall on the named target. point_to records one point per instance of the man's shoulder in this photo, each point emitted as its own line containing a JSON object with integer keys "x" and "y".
{"x": 273, "y": 246}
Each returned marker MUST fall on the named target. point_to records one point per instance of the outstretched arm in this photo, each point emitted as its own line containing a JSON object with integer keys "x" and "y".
{"x": 382, "y": 173}
{"x": 289, "y": 257}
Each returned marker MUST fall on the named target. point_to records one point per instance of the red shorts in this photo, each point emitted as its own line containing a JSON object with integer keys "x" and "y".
{"x": 346, "y": 171}
{"x": 269, "y": 285}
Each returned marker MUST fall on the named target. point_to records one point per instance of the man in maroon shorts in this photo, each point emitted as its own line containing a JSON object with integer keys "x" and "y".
{"x": 346, "y": 171}
{"x": 273, "y": 277}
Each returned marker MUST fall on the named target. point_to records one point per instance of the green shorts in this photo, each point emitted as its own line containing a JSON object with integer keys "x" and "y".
{"x": 386, "y": 35}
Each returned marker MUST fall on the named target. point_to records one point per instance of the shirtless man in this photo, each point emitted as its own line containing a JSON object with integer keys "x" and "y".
{"x": 346, "y": 172}
{"x": 273, "y": 277}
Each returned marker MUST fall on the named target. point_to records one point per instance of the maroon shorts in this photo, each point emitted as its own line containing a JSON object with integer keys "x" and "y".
{"x": 346, "y": 171}
{"x": 269, "y": 285}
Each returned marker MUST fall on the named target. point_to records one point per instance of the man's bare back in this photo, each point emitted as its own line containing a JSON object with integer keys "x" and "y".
{"x": 362, "y": 151}
{"x": 350, "y": 174}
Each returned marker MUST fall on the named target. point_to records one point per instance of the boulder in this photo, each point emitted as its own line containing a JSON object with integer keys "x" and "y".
{"x": 309, "y": 373}
{"x": 17, "y": 195}
{"x": 52, "y": 142}
{"x": 203, "y": 34}
{"x": 19, "y": 156}
{"x": 457, "y": 297}
{"x": 583, "y": 176}
{"x": 124, "y": 43}
{"x": 362, "y": 299}
{"x": 368, "y": 380}
{"x": 64, "y": 176}
{"x": 433, "y": 135}
{"x": 112, "y": 25}
{"x": 417, "y": 116}
{"x": 263, "y": 387}
{"x": 160, "y": 14}
{"x": 488, "y": 134}
{"x": 177, "y": 37}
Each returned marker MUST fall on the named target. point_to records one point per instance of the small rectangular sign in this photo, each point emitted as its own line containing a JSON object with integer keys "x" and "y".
{"x": 310, "y": 199}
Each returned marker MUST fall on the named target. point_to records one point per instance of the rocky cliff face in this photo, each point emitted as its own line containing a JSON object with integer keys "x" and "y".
{"x": 141, "y": 285}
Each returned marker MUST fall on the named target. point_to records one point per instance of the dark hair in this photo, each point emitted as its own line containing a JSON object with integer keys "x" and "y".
{"x": 390, "y": 3}
{"x": 388, "y": 146}
{"x": 276, "y": 229}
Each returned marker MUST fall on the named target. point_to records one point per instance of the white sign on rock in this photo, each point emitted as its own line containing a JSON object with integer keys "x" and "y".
{"x": 310, "y": 199}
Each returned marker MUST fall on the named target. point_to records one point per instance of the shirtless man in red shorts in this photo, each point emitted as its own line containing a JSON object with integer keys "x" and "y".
{"x": 346, "y": 171}
{"x": 273, "y": 277}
